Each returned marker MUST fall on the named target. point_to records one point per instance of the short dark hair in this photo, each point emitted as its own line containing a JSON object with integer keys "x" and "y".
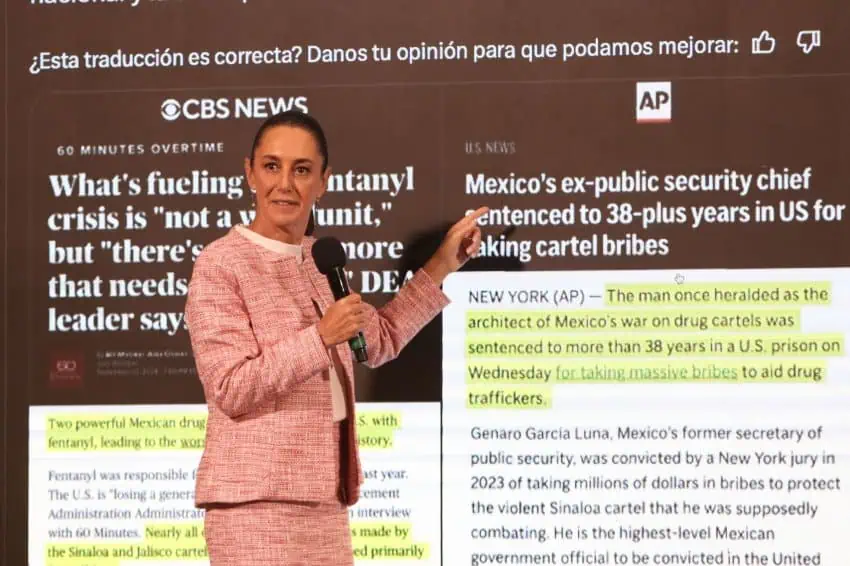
{"x": 297, "y": 119}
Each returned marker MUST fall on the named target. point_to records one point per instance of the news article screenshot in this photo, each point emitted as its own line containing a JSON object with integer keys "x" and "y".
{"x": 661, "y": 374}
{"x": 121, "y": 231}
{"x": 645, "y": 364}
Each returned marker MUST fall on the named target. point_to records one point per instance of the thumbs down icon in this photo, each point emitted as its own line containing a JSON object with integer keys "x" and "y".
{"x": 807, "y": 40}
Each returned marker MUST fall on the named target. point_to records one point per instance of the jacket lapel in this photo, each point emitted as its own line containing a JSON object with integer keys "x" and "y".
{"x": 316, "y": 279}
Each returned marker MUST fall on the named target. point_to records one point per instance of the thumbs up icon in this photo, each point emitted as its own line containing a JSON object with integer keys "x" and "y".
{"x": 763, "y": 44}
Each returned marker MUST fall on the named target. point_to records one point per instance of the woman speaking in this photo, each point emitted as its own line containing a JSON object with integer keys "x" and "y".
{"x": 281, "y": 463}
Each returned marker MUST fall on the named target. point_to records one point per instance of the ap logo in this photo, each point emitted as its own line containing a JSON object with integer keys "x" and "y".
{"x": 654, "y": 102}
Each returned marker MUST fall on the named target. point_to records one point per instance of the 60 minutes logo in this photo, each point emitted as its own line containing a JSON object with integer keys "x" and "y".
{"x": 226, "y": 108}
{"x": 65, "y": 369}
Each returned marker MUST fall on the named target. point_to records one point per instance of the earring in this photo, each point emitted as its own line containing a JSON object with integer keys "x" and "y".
{"x": 253, "y": 197}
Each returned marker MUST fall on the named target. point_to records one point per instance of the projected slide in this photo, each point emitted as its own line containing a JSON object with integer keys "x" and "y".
{"x": 111, "y": 485}
{"x": 646, "y": 364}
{"x": 111, "y": 476}
{"x": 647, "y": 417}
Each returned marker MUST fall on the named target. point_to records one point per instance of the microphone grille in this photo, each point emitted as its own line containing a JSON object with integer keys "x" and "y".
{"x": 328, "y": 254}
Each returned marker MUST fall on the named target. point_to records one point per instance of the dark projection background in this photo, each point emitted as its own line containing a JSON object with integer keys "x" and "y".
{"x": 107, "y": 100}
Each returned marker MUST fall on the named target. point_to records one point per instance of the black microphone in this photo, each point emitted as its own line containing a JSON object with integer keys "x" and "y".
{"x": 330, "y": 259}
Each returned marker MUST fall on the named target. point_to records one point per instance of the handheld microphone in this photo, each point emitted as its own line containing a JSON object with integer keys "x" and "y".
{"x": 330, "y": 259}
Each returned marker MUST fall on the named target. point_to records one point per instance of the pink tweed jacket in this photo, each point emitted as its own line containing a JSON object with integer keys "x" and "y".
{"x": 264, "y": 371}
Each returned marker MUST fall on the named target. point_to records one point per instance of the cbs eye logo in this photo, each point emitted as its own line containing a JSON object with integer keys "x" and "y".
{"x": 170, "y": 109}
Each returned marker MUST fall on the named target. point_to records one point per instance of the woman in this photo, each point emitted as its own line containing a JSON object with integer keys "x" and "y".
{"x": 281, "y": 463}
